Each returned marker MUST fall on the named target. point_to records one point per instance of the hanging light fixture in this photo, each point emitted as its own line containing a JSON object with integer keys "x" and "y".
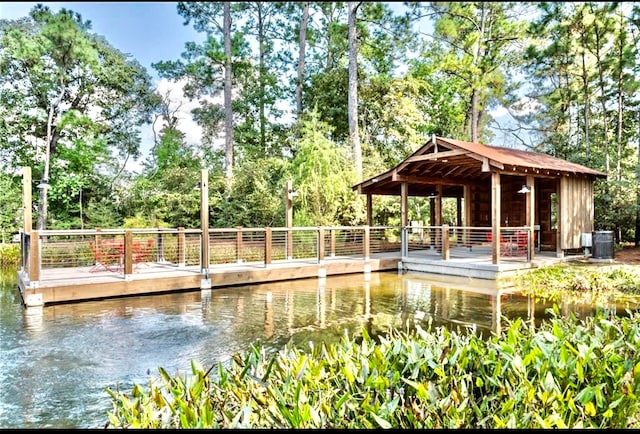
{"x": 43, "y": 185}
{"x": 525, "y": 189}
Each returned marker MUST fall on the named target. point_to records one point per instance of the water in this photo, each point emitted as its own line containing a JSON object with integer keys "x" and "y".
{"x": 56, "y": 361}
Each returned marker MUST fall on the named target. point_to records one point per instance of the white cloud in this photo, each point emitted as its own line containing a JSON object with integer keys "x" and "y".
{"x": 186, "y": 124}
{"x": 182, "y": 106}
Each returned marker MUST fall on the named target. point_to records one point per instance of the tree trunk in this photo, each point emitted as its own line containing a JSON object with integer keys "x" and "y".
{"x": 301, "y": 56}
{"x": 587, "y": 102}
{"x": 637, "y": 232}
{"x": 474, "y": 116}
{"x": 475, "y": 91}
{"x": 261, "y": 48}
{"x": 228, "y": 113}
{"x": 52, "y": 139}
{"x": 353, "y": 90}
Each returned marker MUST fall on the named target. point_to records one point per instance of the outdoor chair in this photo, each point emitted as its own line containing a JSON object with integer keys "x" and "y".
{"x": 507, "y": 246}
{"x": 141, "y": 252}
{"x": 106, "y": 257}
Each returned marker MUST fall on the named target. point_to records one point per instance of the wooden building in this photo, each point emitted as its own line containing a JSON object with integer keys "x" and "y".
{"x": 495, "y": 187}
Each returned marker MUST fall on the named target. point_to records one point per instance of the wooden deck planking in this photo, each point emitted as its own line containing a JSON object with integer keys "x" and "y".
{"x": 64, "y": 285}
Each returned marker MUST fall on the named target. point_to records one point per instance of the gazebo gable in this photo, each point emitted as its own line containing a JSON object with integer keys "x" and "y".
{"x": 450, "y": 162}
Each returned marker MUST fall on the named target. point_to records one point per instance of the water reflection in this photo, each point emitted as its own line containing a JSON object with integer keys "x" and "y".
{"x": 57, "y": 360}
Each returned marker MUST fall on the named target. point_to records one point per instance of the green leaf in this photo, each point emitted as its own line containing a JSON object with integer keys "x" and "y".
{"x": 380, "y": 421}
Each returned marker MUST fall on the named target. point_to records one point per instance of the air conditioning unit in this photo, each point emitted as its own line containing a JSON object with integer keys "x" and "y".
{"x": 585, "y": 240}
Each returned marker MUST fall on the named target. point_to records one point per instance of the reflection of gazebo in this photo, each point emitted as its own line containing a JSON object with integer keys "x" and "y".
{"x": 488, "y": 184}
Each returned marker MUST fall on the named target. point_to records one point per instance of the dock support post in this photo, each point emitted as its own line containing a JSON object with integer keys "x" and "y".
{"x": 320, "y": 245}
{"x": 289, "y": 193}
{"x": 239, "y": 244}
{"x": 181, "y": 248}
{"x": 26, "y": 215}
{"x": 268, "y": 236}
{"x": 367, "y": 251}
{"x": 128, "y": 257}
{"x": 332, "y": 233}
{"x": 445, "y": 242}
{"x": 160, "y": 247}
{"x": 366, "y": 243}
{"x": 205, "y": 282}
{"x": 34, "y": 259}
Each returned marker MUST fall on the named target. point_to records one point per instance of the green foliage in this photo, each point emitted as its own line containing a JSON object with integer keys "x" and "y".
{"x": 71, "y": 100}
{"x": 138, "y": 222}
{"x": 566, "y": 374}
{"x": 581, "y": 104}
{"x": 9, "y": 255}
{"x": 322, "y": 176}
{"x": 10, "y": 207}
{"x": 256, "y": 198}
{"x": 102, "y": 214}
{"x": 588, "y": 283}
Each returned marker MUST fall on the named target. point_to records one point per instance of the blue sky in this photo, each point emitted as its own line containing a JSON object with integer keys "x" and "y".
{"x": 149, "y": 31}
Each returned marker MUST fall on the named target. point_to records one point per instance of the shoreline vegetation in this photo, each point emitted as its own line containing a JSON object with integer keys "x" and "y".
{"x": 566, "y": 373}
{"x": 9, "y": 255}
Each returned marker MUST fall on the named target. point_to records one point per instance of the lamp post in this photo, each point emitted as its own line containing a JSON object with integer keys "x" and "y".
{"x": 43, "y": 186}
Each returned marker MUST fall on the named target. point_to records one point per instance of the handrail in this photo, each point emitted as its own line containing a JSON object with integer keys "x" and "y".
{"x": 180, "y": 247}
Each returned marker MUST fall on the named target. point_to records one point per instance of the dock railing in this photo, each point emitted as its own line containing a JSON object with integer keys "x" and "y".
{"x": 126, "y": 252}
{"x": 465, "y": 241}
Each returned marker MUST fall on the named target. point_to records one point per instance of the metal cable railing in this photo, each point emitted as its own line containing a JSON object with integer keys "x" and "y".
{"x": 132, "y": 251}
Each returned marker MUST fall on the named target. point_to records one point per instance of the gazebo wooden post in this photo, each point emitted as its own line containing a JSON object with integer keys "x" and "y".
{"x": 369, "y": 209}
{"x": 438, "y": 216}
{"x": 531, "y": 216}
{"x": 560, "y": 219}
{"x": 467, "y": 215}
{"x": 404, "y": 202}
{"x": 458, "y": 220}
{"x": 432, "y": 222}
{"x": 495, "y": 217}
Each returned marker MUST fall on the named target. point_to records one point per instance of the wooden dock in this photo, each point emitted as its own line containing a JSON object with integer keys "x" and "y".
{"x": 76, "y": 265}
{"x": 66, "y": 285}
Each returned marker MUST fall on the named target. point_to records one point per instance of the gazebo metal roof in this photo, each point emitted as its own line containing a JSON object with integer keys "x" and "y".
{"x": 452, "y": 163}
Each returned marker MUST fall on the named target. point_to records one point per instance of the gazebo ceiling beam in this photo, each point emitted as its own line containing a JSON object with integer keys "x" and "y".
{"x": 431, "y": 180}
{"x": 444, "y": 155}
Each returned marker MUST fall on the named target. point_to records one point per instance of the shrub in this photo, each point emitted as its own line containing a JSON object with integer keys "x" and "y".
{"x": 574, "y": 283}
{"x": 9, "y": 255}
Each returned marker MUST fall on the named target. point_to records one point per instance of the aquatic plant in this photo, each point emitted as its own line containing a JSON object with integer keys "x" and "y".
{"x": 567, "y": 373}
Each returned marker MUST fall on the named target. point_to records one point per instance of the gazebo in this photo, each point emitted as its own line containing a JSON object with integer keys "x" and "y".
{"x": 497, "y": 188}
